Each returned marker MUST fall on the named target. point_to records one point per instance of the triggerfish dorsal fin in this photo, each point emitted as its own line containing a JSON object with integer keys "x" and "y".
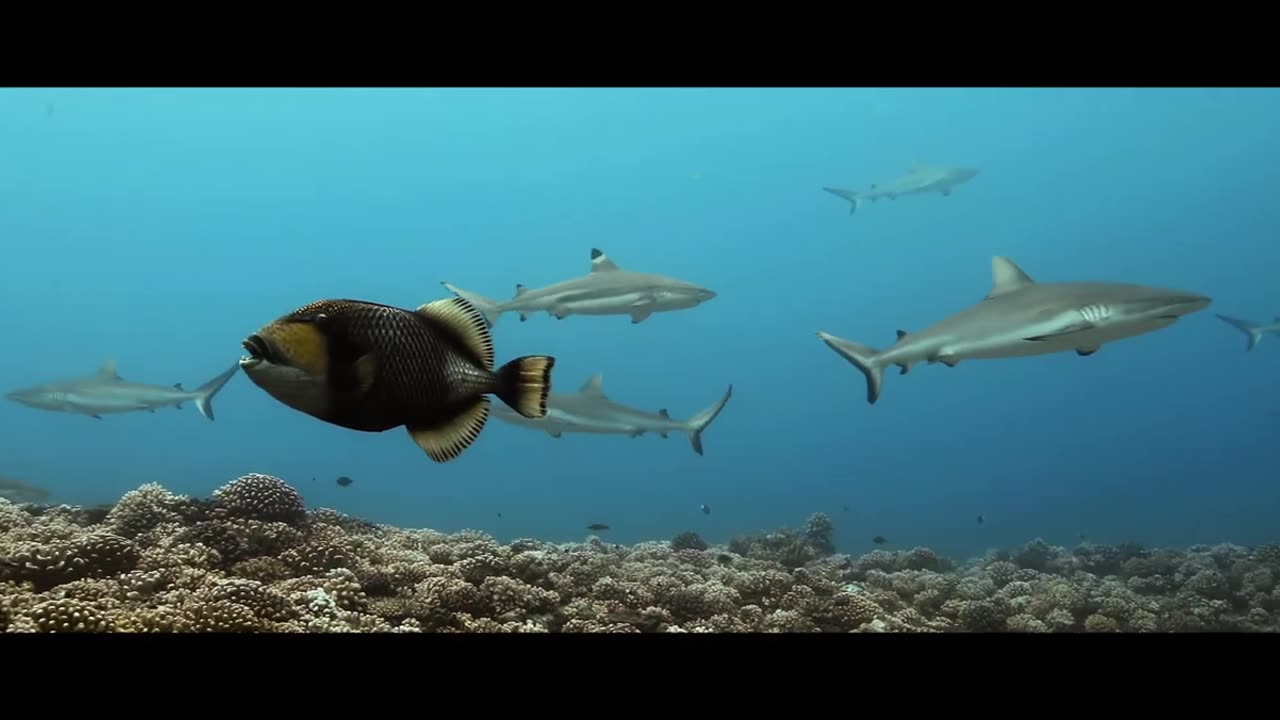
{"x": 460, "y": 318}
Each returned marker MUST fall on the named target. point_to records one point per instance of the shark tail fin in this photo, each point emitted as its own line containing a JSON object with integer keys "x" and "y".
{"x": 699, "y": 423}
{"x": 490, "y": 308}
{"x": 1251, "y": 329}
{"x": 524, "y": 384}
{"x": 204, "y": 394}
{"x": 850, "y": 195}
{"x": 863, "y": 357}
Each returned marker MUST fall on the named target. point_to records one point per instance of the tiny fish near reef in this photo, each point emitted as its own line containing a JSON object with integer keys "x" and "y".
{"x": 372, "y": 367}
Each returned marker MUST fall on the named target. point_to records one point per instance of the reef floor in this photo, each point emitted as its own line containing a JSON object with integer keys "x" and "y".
{"x": 252, "y": 558}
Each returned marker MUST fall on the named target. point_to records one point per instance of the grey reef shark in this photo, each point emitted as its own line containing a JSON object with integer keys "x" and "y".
{"x": 922, "y": 179}
{"x": 605, "y": 290}
{"x": 589, "y": 410}
{"x": 1253, "y": 330}
{"x": 105, "y": 392}
{"x": 1021, "y": 317}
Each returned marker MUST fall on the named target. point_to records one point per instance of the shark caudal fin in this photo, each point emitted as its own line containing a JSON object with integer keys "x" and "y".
{"x": 1253, "y": 330}
{"x": 204, "y": 394}
{"x": 699, "y": 423}
{"x": 863, "y": 357}
{"x": 850, "y": 195}
{"x": 491, "y": 309}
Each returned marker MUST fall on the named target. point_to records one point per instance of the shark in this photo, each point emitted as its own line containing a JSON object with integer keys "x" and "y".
{"x": 1255, "y": 331}
{"x": 1021, "y": 317}
{"x": 105, "y": 392}
{"x": 606, "y": 289}
{"x": 590, "y": 410}
{"x": 19, "y": 492}
{"x": 919, "y": 180}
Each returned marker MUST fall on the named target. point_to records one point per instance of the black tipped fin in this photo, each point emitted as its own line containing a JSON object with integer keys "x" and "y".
{"x": 901, "y": 334}
{"x": 525, "y": 383}
{"x": 466, "y": 323}
{"x": 178, "y": 386}
{"x": 601, "y": 262}
{"x": 446, "y": 442}
{"x": 1086, "y": 351}
{"x": 663, "y": 412}
{"x": 366, "y": 371}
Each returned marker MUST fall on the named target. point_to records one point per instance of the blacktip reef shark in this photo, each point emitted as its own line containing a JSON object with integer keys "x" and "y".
{"x": 606, "y": 290}
{"x": 105, "y": 392}
{"x": 921, "y": 179}
{"x": 1021, "y": 317}
{"x": 589, "y": 410}
{"x": 1255, "y": 331}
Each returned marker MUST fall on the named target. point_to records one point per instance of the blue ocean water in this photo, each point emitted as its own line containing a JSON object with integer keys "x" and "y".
{"x": 158, "y": 227}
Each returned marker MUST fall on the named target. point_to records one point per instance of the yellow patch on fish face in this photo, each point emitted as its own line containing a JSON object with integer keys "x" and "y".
{"x": 299, "y": 345}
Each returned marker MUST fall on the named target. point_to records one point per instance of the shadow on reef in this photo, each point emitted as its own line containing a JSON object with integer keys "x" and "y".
{"x": 252, "y": 558}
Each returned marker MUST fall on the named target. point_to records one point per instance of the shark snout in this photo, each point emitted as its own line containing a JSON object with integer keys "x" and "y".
{"x": 703, "y": 294}
{"x": 1194, "y": 303}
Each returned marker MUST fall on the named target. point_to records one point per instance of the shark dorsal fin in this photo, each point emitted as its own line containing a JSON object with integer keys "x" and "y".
{"x": 108, "y": 370}
{"x": 663, "y": 412}
{"x": 901, "y": 333}
{"x": 1006, "y": 277}
{"x": 178, "y": 386}
{"x": 593, "y": 386}
{"x": 601, "y": 262}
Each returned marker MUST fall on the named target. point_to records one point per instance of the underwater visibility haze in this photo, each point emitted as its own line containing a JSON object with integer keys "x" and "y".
{"x": 864, "y": 331}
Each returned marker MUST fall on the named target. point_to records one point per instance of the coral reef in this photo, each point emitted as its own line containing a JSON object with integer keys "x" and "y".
{"x": 253, "y": 558}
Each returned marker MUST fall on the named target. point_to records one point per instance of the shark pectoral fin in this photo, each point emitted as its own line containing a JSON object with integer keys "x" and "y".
{"x": 1087, "y": 351}
{"x": 640, "y": 314}
{"x": 96, "y": 416}
{"x": 555, "y": 434}
{"x": 524, "y": 317}
{"x": 946, "y": 192}
{"x": 662, "y": 435}
{"x": 948, "y": 360}
{"x": 635, "y": 433}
